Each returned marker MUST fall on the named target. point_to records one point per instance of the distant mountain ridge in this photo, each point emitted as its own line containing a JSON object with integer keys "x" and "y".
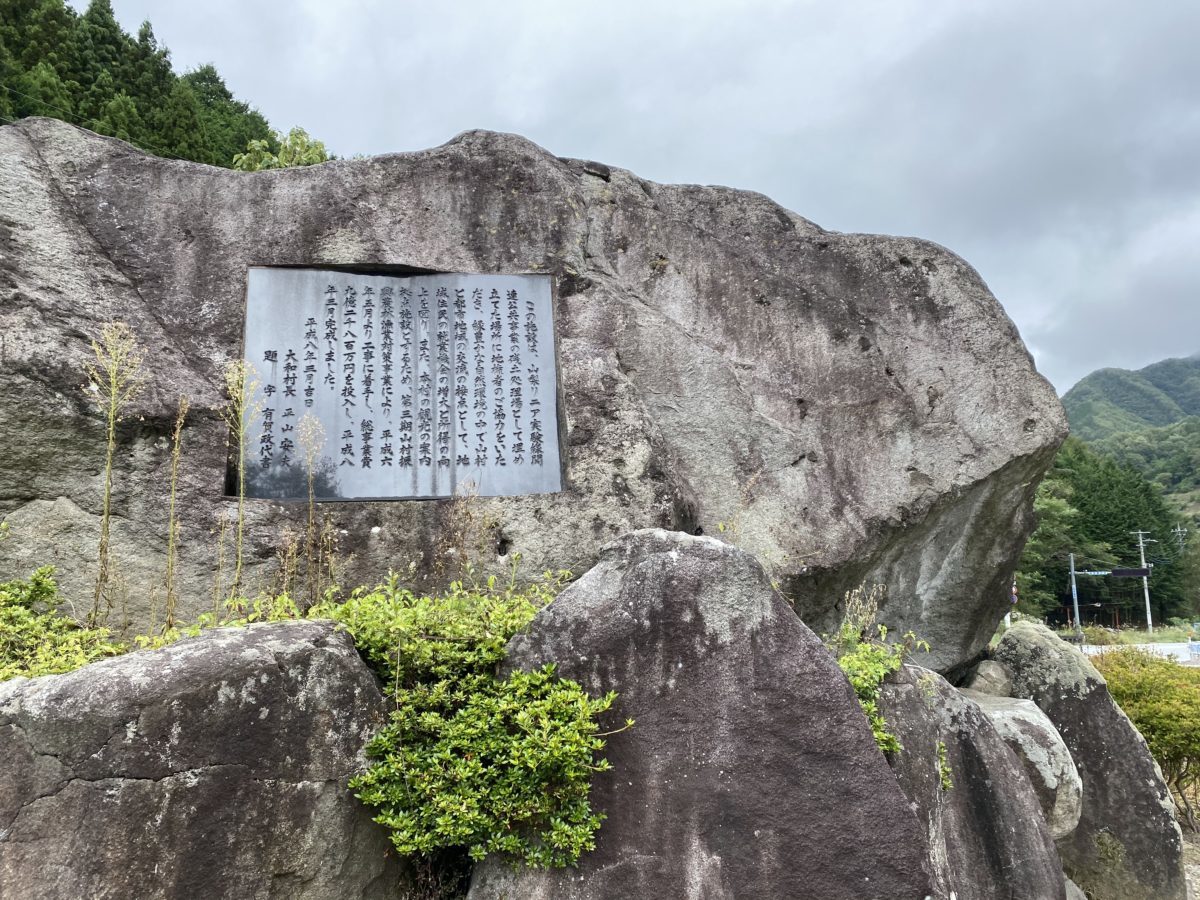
{"x": 1110, "y": 401}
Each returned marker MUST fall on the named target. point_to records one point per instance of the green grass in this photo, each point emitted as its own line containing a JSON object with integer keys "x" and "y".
{"x": 1167, "y": 634}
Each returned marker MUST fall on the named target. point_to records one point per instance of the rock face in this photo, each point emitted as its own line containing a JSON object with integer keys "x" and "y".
{"x": 992, "y": 678}
{"x": 1127, "y": 845}
{"x": 750, "y": 772}
{"x": 1048, "y": 764}
{"x": 216, "y": 767}
{"x": 849, "y": 407}
{"x": 981, "y": 817}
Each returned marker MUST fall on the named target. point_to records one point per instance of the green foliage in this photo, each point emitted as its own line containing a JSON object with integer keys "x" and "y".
{"x": 1111, "y": 400}
{"x": 1039, "y": 577}
{"x": 35, "y": 639}
{"x": 1101, "y": 637}
{"x": 469, "y": 761}
{"x": 867, "y": 662}
{"x": 297, "y": 149}
{"x": 1162, "y": 699}
{"x": 1090, "y": 504}
{"x": 945, "y": 776}
{"x": 493, "y": 766}
{"x": 83, "y": 68}
{"x": 867, "y": 657}
{"x": 1168, "y": 456}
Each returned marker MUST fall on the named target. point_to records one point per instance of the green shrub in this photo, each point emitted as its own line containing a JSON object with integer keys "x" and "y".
{"x": 867, "y": 663}
{"x": 37, "y": 640}
{"x": 1162, "y": 699}
{"x": 1100, "y": 636}
{"x": 468, "y": 761}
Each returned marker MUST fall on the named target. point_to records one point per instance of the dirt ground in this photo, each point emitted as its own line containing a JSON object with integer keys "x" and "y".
{"x": 1191, "y": 861}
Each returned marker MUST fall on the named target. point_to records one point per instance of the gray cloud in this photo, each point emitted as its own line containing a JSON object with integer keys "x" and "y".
{"x": 1054, "y": 145}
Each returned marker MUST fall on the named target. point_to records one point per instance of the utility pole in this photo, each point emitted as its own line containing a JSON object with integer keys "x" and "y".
{"x": 1141, "y": 535}
{"x": 1075, "y": 596}
{"x": 1181, "y": 534}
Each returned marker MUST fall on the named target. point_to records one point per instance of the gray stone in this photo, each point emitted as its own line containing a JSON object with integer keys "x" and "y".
{"x": 986, "y": 835}
{"x": 750, "y": 772}
{"x": 847, "y": 407}
{"x": 215, "y": 767}
{"x": 1032, "y": 736}
{"x": 1127, "y": 845}
{"x": 1074, "y": 892}
{"x": 989, "y": 677}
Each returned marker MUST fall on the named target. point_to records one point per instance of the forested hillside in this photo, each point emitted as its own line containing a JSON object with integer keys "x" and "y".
{"x": 1109, "y": 401}
{"x": 1132, "y": 463}
{"x": 1091, "y": 505}
{"x": 86, "y": 70}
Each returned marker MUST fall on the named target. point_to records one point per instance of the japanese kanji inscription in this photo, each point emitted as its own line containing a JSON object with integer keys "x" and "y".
{"x": 382, "y": 387}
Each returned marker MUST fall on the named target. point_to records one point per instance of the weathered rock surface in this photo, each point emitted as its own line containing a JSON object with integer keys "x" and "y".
{"x": 1031, "y": 735}
{"x": 851, "y": 407}
{"x": 216, "y": 767}
{"x": 986, "y": 836}
{"x": 989, "y": 677}
{"x": 1127, "y": 845}
{"x": 750, "y": 772}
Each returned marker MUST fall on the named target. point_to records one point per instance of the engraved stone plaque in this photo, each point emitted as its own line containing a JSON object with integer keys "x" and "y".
{"x": 386, "y": 387}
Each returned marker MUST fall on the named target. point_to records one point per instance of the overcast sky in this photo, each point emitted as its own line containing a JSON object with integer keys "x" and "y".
{"x": 1054, "y": 145}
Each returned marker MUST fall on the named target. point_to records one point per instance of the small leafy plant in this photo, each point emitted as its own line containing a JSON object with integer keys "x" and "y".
{"x": 945, "y": 775}
{"x": 36, "y": 640}
{"x": 469, "y": 762}
{"x": 867, "y": 657}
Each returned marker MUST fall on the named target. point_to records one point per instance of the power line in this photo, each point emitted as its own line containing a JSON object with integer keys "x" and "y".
{"x": 69, "y": 117}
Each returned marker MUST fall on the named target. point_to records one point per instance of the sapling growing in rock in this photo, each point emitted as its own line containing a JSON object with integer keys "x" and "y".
{"x": 114, "y": 380}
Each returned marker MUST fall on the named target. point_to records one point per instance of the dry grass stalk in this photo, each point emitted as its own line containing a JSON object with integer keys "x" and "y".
{"x": 172, "y": 585}
{"x": 114, "y": 380}
{"x": 240, "y": 414}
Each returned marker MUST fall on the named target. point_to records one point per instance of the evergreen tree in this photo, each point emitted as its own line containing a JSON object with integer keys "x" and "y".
{"x": 42, "y": 93}
{"x": 121, "y": 119}
{"x": 87, "y": 70}
{"x": 179, "y": 126}
{"x": 229, "y": 124}
{"x": 151, "y": 76}
{"x": 8, "y": 80}
{"x": 101, "y": 55}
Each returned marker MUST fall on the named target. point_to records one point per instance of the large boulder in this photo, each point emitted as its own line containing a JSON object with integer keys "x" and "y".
{"x": 216, "y": 767}
{"x": 849, "y": 407}
{"x": 980, "y": 815}
{"x": 751, "y": 771}
{"x": 1031, "y": 735}
{"x": 1127, "y": 845}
